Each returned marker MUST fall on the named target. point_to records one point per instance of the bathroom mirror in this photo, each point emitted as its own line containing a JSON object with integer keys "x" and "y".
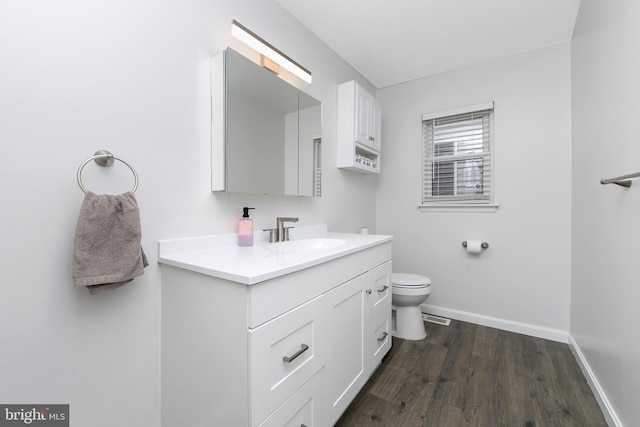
{"x": 265, "y": 132}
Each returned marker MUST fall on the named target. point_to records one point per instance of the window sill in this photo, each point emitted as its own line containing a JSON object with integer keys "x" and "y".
{"x": 471, "y": 207}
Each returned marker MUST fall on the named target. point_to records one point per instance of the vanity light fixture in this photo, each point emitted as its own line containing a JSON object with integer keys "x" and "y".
{"x": 272, "y": 59}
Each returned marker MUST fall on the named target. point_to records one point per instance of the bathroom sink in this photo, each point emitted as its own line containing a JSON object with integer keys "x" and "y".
{"x": 305, "y": 245}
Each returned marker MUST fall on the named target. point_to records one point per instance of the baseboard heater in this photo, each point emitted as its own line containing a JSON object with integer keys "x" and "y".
{"x": 436, "y": 319}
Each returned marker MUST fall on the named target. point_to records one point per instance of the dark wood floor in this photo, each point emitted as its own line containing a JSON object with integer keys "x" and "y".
{"x": 471, "y": 375}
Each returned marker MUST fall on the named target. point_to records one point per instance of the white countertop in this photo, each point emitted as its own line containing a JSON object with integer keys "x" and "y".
{"x": 220, "y": 256}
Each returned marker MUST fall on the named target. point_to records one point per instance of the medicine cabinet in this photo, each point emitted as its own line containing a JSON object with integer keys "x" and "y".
{"x": 266, "y": 133}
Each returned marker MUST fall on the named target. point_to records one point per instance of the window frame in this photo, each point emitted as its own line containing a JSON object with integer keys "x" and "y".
{"x": 482, "y": 203}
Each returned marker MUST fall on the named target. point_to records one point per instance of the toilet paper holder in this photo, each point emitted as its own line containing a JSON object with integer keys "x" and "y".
{"x": 483, "y": 245}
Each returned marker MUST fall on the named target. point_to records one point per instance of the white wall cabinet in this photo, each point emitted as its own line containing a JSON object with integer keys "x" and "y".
{"x": 290, "y": 351}
{"x": 359, "y": 129}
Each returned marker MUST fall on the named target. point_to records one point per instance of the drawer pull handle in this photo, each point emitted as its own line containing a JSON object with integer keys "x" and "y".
{"x": 368, "y": 291}
{"x": 382, "y": 289}
{"x": 383, "y": 337}
{"x": 289, "y": 359}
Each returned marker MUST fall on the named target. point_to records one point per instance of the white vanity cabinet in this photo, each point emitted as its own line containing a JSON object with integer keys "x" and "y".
{"x": 359, "y": 129}
{"x": 288, "y": 351}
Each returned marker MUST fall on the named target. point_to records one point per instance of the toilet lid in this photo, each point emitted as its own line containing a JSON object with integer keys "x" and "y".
{"x": 407, "y": 280}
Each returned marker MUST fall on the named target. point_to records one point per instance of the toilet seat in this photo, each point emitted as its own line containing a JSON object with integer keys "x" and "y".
{"x": 409, "y": 281}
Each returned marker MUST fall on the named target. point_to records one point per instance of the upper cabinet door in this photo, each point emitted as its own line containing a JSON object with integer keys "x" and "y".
{"x": 363, "y": 112}
{"x": 367, "y": 116}
{"x": 375, "y": 125}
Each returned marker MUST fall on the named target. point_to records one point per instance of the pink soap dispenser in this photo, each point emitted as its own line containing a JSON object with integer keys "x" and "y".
{"x": 245, "y": 228}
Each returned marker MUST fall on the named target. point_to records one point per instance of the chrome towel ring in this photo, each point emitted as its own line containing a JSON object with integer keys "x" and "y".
{"x": 105, "y": 158}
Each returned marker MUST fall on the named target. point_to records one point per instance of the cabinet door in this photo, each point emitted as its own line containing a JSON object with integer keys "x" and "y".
{"x": 284, "y": 353}
{"x": 368, "y": 117}
{"x": 375, "y": 125}
{"x": 345, "y": 374}
{"x": 377, "y": 316}
{"x": 362, "y": 116}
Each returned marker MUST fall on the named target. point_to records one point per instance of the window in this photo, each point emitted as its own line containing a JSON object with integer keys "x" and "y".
{"x": 457, "y": 156}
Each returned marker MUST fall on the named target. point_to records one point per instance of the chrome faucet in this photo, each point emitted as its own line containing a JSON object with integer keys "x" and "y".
{"x": 283, "y": 232}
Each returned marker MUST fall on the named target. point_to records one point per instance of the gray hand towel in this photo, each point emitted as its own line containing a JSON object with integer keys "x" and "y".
{"x": 106, "y": 251}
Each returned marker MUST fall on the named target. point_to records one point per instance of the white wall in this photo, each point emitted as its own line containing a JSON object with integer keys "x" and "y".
{"x": 131, "y": 77}
{"x": 605, "y": 320}
{"x": 522, "y": 281}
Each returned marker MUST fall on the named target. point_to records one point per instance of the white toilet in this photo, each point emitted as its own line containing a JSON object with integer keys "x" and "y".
{"x": 408, "y": 291}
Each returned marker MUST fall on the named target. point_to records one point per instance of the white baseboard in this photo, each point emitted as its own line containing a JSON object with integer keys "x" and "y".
{"x": 494, "y": 322}
{"x": 605, "y": 406}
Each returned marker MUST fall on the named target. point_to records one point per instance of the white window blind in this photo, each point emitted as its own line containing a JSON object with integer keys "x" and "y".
{"x": 457, "y": 157}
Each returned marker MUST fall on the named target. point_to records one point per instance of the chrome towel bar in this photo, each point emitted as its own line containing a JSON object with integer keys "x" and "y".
{"x": 104, "y": 158}
{"x": 623, "y": 181}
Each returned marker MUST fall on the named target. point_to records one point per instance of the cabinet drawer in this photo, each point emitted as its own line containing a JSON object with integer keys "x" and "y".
{"x": 379, "y": 293}
{"x": 378, "y": 342}
{"x": 284, "y": 354}
{"x": 304, "y": 408}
